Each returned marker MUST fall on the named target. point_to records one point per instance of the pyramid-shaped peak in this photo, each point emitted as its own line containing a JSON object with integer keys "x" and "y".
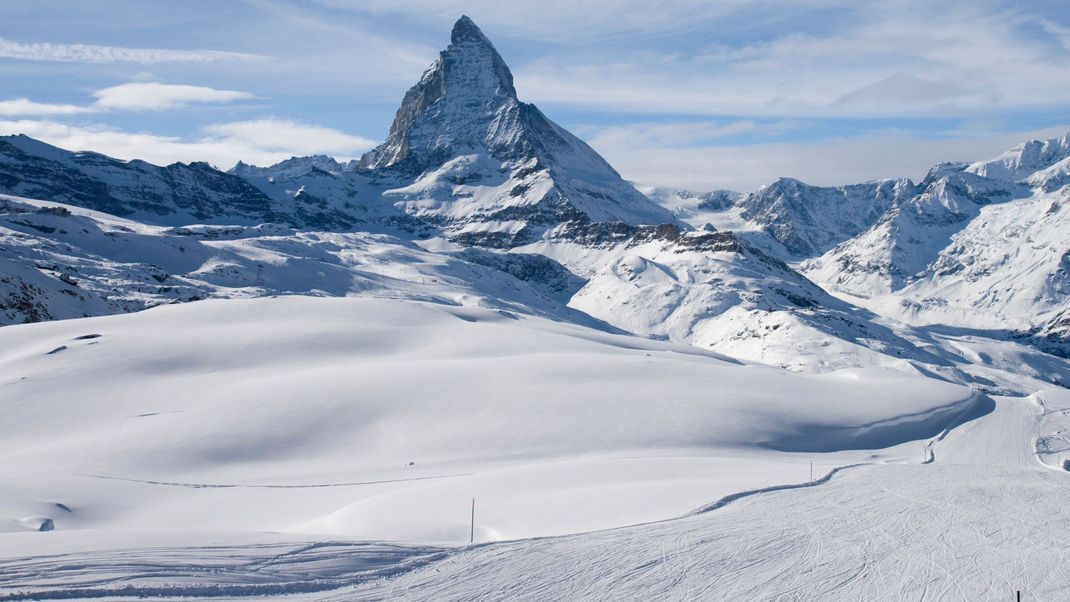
{"x": 466, "y": 29}
{"x": 465, "y": 100}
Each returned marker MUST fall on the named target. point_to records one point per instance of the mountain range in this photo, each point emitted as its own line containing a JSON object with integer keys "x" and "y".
{"x": 477, "y": 198}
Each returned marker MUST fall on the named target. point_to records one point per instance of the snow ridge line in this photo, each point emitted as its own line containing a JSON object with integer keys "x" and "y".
{"x": 978, "y": 399}
{"x": 728, "y": 499}
{"x": 930, "y": 458}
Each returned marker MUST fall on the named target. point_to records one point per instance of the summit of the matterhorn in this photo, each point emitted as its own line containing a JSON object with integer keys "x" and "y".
{"x": 465, "y": 99}
{"x": 492, "y": 169}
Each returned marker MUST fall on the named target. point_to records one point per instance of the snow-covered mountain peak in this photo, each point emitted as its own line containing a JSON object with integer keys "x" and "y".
{"x": 1025, "y": 159}
{"x": 466, "y": 154}
{"x": 809, "y": 220}
{"x": 466, "y": 99}
{"x": 292, "y": 167}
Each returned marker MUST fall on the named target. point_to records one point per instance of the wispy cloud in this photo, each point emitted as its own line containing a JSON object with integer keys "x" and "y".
{"x": 1057, "y": 31}
{"x": 569, "y": 20}
{"x": 128, "y": 97}
{"x": 261, "y": 142}
{"x": 156, "y": 96}
{"x": 288, "y": 137}
{"x": 834, "y": 161}
{"x": 90, "y": 53}
{"x": 679, "y": 134}
{"x": 897, "y": 59}
{"x": 27, "y": 107}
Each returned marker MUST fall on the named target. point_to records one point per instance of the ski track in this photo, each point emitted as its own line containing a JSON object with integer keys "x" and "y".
{"x": 276, "y": 486}
{"x": 981, "y": 519}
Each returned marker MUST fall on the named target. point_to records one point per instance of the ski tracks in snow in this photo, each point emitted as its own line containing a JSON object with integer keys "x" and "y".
{"x": 979, "y": 521}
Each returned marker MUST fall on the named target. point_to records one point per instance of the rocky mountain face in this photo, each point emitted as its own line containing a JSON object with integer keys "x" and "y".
{"x": 1054, "y": 335}
{"x": 911, "y": 235}
{"x": 970, "y": 249}
{"x": 487, "y": 168}
{"x": 177, "y": 194}
{"x": 809, "y": 220}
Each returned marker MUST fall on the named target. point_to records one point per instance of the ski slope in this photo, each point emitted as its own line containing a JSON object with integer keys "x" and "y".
{"x": 982, "y": 520}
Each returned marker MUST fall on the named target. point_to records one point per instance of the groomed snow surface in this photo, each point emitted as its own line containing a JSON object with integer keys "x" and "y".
{"x": 265, "y": 447}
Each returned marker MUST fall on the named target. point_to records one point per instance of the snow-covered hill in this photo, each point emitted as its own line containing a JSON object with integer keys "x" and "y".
{"x": 71, "y": 262}
{"x": 303, "y": 415}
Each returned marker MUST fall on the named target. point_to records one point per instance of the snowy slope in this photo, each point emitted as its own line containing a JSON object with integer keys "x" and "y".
{"x": 1022, "y": 161}
{"x": 715, "y": 290}
{"x": 36, "y": 294}
{"x": 176, "y": 417}
{"x": 982, "y": 520}
{"x": 68, "y": 262}
{"x": 718, "y": 290}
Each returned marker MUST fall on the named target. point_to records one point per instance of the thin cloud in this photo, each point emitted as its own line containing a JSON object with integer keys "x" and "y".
{"x": 90, "y": 53}
{"x": 688, "y": 133}
{"x": 837, "y": 161}
{"x": 156, "y": 96}
{"x": 289, "y": 137}
{"x": 25, "y": 106}
{"x": 260, "y": 142}
{"x": 923, "y": 62}
{"x": 563, "y": 20}
{"x": 128, "y": 97}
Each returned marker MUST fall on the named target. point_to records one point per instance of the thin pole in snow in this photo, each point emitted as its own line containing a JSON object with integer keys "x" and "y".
{"x": 472, "y": 532}
{"x": 811, "y": 471}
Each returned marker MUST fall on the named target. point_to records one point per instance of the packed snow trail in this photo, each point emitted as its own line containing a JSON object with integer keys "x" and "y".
{"x": 252, "y": 570}
{"x": 983, "y": 520}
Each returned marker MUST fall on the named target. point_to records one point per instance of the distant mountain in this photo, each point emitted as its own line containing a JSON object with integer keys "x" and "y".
{"x": 911, "y": 234}
{"x": 1024, "y": 160}
{"x": 694, "y": 208}
{"x": 981, "y": 245}
{"x": 177, "y": 194}
{"x": 809, "y": 220}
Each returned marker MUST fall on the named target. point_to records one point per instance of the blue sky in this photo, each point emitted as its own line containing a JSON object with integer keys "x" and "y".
{"x": 693, "y": 94}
